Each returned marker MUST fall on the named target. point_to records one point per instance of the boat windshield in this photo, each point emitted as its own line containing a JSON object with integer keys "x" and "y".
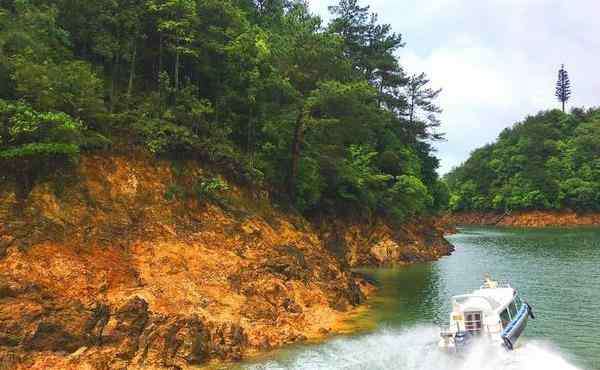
{"x": 513, "y": 310}
{"x": 518, "y": 302}
{"x": 505, "y": 318}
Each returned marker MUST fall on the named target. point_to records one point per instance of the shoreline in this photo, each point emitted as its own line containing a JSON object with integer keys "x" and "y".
{"x": 526, "y": 219}
{"x": 111, "y": 272}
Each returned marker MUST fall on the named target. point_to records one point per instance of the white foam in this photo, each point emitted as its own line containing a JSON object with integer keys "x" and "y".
{"x": 416, "y": 349}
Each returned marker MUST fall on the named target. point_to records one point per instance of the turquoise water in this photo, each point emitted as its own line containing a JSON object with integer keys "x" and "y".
{"x": 557, "y": 271}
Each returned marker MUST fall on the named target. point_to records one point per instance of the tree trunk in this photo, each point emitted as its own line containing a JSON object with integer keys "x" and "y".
{"x": 160, "y": 65}
{"x": 249, "y": 139}
{"x": 24, "y": 182}
{"x": 380, "y": 95}
{"x": 177, "y": 66}
{"x": 112, "y": 84}
{"x": 116, "y": 78}
{"x": 160, "y": 53}
{"x": 563, "y": 106}
{"x": 411, "y": 129}
{"x": 296, "y": 153}
{"x": 411, "y": 110}
{"x": 132, "y": 71}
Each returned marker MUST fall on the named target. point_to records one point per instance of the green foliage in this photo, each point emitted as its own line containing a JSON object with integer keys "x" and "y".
{"x": 407, "y": 197}
{"x": 174, "y": 192}
{"x": 441, "y": 195}
{"x": 28, "y": 28}
{"x": 359, "y": 180}
{"x": 322, "y": 115}
{"x": 28, "y": 134}
{"x": 549, "y": 161}
{"x": 310, "y": 185}
{"x": 210, "y": 189}
{"x": 71, "y": 87}
{"x": 32, "y": 142}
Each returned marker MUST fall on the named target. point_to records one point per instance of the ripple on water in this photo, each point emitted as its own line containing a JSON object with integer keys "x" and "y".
{"x": 557, "y": 271}
{"x": 415, "y": 349}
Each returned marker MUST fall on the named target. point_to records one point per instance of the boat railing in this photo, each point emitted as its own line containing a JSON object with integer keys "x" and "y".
{"x": 497, "y": 284}
{"x": 446, "y": 330}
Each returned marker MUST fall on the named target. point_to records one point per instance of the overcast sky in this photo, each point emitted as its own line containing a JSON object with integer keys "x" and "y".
{"x": 496, "y": 60}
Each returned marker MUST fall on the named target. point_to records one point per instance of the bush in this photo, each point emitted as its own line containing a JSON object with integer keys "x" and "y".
{"x": 309, "y": 187}
{"x": 210, "y": 189}
{"x": 441, "y": 196}
{"x": 27, "y": 134}
{"x": 174, "y": 192}
{"x": 30, "y": 141}
{"x": 408, "y": 197}
{"x": 359, "y": 180}
{"x": 70, "y": 87}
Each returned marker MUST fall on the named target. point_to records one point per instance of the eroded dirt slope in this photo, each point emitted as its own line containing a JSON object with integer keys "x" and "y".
{"x": 101, "y": 270}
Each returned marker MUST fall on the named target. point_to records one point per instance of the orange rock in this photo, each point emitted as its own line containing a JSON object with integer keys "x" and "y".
{"x": 112, "y": 274}
{"x": 535, "y": 219}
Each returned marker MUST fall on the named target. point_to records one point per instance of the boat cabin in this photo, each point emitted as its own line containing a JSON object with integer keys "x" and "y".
{"x": 489, "y": 309}
{"x": 494, "y": 311}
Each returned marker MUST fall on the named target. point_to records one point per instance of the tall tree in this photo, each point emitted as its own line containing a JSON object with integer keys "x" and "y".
{"x": 259, "y": 88}
{"x": 175, "y": 21}
{"x": 420, "y": 100}
{"x": 369, "y": 45}
{"x": 563, "y": 86}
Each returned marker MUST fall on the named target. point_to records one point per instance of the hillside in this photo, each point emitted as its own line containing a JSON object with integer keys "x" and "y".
{"x": 192, "y": 180}
{"x": 111, "y": 271}
{"x": 548, "y": 162}
{"x": 324, "y": 116}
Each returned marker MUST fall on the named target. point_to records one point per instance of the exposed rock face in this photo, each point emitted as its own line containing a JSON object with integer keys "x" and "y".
{"x": 376, "y": 243}
{"x": 103, "y": 272}
{"x": 527, "y": 219}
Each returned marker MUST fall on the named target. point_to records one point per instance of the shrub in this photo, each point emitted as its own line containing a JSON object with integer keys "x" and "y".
{"x": 32, "y": 141}
{"x": 210, "y": 189}
{"x": 174, "y": 192}
{"x": 70, "y": 87}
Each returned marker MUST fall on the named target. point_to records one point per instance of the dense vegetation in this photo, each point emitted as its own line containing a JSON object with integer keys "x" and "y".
{"x": 323, "y": 115}
{"x": 549, "y": 161}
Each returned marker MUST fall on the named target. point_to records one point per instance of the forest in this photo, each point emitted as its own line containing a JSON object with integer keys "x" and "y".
{"x": 550, "y": 161}
{"x": 323, "y": 116}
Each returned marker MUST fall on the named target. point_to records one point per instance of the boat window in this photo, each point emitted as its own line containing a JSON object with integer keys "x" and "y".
{"x": 518, "y": 303}
{"x": 513, "y": 310}
{"x": 473, "y": 322}
{"x": 505, "y": 318}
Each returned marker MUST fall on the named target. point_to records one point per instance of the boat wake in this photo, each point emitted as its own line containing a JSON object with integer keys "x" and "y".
{"x": 415, "y": 349}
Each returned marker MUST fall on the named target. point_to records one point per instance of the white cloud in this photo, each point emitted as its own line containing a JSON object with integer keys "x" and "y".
{"x": 496, "y": 60}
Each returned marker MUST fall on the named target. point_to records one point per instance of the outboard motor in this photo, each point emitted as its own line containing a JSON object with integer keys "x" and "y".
{"x": 530, "y": 309}
{"x": 507, "y": 343}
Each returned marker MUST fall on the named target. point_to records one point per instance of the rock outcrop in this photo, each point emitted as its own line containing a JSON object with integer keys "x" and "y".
{"x": 536, "y": 219}
{"x": 376, "y": 243}
{"x": 103, "y": 270}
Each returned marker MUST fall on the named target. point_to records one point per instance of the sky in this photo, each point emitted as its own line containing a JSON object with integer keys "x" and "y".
{"x": 497, "y": 61}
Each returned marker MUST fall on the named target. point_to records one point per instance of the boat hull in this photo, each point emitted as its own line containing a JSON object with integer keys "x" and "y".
{"x": 513, "y": 331}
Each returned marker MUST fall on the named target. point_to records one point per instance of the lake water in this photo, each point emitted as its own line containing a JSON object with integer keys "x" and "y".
{"x": 557, "y": 271}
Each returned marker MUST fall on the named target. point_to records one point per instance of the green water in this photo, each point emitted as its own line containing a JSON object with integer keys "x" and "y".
{"x": 557, "y": 271}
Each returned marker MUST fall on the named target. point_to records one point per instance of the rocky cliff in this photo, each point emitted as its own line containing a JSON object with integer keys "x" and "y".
{"x": 377, "y": 243}
{"x": 564, "y": 218}
{"x": 112, "y": 267}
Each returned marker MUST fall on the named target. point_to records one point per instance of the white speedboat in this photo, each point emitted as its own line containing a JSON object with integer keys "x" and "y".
{"x": 494, "y": 312}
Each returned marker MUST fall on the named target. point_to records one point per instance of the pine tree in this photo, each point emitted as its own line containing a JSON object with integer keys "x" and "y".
{"x": 563, "y": 86}
{"x": 421, "y": 98}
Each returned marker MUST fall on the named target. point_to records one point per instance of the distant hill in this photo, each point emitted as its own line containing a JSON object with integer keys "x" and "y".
{"x": 550, "y": 161}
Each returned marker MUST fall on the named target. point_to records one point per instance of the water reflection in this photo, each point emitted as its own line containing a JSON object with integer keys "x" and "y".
{"x": 406, "y": 296}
